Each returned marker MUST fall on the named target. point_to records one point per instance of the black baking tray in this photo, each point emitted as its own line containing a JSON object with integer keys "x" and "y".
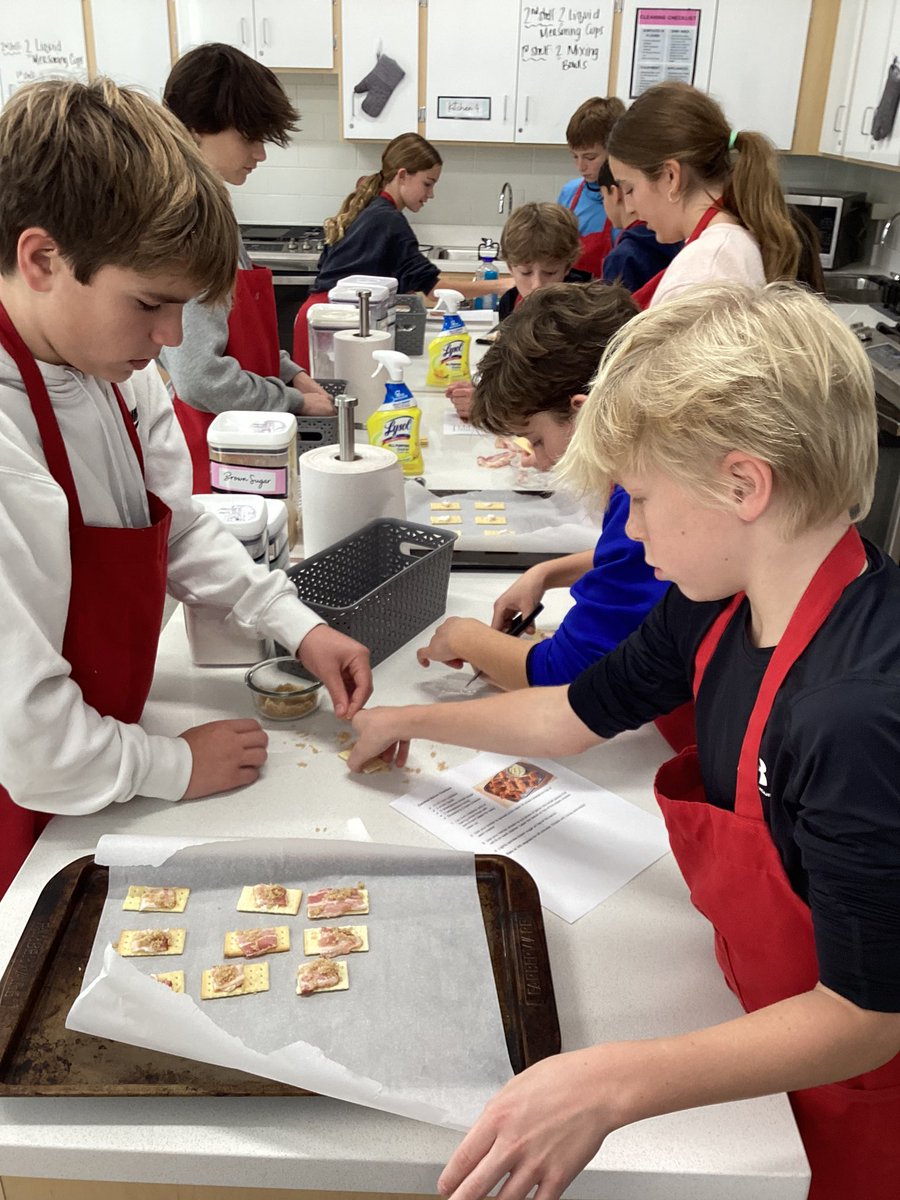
{"x": 40, "y": 1057}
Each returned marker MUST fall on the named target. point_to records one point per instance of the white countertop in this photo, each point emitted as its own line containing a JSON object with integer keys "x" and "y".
{"x": 640, "y": 965}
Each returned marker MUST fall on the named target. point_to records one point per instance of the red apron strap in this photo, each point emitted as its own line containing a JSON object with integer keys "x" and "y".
{"x": 576, "y": 196}
{"x": 130, "y": 427}
{"x": 645, "y": 294}
{"x": 707, "y": 647}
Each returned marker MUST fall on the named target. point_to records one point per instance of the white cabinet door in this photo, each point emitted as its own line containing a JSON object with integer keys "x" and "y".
{"x": 674, "y": 42}
{"x": 39, "y": 41}
{"x": 835, "y": 117}
{"x": 135, "y": 51}
{"x": 294, "y": 33}
{"x": 875, "y": 52}
{"x": 229, "y": 21}
{"x": 757, "y": 61}
{"x": 471, "y": 70}
{"x": 390, "y": 28}
{"x": 561, "y": 64}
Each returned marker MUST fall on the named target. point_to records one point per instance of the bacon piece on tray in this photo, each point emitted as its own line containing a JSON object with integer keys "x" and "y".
{"x": 234, "y": 979}
{"x": 337, "y": 902}
{"x": 270, "y": 898}
{"x": 322, "y": 975}
{"x": 135, "y": 942}
{"x": 251, "y": 943}
{"x": 332, "y": 940}
{"x": 156, "y": 899}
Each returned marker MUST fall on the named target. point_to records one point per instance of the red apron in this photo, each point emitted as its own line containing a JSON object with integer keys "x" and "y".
{"x": 645, "y": 294}
{"x": 253, "y": 341}
{"x": 116, "y": 599}
{"x": 763, "y": 930}
{"x": 300, "y": 345}
{"x": 594, "y": 246}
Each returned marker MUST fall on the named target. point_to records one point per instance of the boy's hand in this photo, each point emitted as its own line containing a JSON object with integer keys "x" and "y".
{"x": 460, "y": 396}
{"x": 226, "y": 754}
{"x": 377, "y": 738}
{"x": 523, "y": 597}
{"x": 343, "y": 666}
{"x": 316, "y": 401}
{"x": 444, "y": 645}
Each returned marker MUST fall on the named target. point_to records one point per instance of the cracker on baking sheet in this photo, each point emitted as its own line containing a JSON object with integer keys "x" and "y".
{"x": 312, "y": 937}
{"x": 490, "y": 506}
{"x": 307, "y": 971}
{"x": 147, "y": 943}
{"x": 446, "y": 519}
{"x": 173, "y": 980}
{"x": 234, "y": 979}
{"x": 342, "y": 901}
{"x": 156, "y": 899}
{"x": 233, "y": 947}
{"x": 248, "y": 904}
{"x": 445, "y": 506}
{"x": 368, "y": 768}
{"x": 493, "y": 532}
{"x": 491, "y": 519}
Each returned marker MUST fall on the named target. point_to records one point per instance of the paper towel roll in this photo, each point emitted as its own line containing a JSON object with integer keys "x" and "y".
{"x": 353, "y": 361}
{"x": 338, "y": 498}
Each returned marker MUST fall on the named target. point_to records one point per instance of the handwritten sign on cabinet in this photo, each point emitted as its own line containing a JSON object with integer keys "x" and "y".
{"x": 41, "y": 41}
{"x": 565, "y": 36}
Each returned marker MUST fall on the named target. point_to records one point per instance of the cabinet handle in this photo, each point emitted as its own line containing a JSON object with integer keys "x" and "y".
{"x": 862, "y": 124}
{"x": 245, "y": 32}
{"x": 505, "y": 106}
{"x": 839, "y": 118}
{"x": 527, "y": 108}
{"x": 265, "y": 32}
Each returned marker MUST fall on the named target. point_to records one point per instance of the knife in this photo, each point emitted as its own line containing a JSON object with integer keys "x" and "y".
{"x": 515, "y": 628}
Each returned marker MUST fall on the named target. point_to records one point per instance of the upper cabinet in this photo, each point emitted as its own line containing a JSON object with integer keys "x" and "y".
{"x": 38, "y": 42}
{"x": 520, "y": 71}
{"x": 279, "y": 33}
{"x": 134, "y": 52}
{"x": 749, "y": 57}
{"x": 860, "y": 119}
{"x": 379, "y": 68}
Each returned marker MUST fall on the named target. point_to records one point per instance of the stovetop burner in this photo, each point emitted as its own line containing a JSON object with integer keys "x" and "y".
{"x": 282, "y": 239}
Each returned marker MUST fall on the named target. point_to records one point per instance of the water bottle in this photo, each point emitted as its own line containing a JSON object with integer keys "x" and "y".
{"x": 487, "y": 269}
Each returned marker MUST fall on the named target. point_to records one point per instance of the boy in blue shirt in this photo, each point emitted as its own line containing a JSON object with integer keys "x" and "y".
{"x": 587, "y": 135}
{"x": 636, "y": 256}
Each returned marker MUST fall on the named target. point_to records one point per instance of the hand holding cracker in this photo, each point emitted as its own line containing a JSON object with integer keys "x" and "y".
{"x": 375, "y": 739}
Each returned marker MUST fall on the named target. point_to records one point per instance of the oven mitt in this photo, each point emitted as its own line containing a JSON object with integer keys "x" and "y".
{"x": 886, "y": 112}
{"x": 380, "y": 84}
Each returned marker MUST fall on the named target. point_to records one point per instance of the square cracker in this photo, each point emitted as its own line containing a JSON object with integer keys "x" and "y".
{"x": 490, "y": 505}
{"x": 135, "y": 896}
{"x": 370, "y": 767}
{"x": 256, "y": 979}
{"x": 446, "y": 519}
{"x": 311, "y": 938}
{"x": 173, "y": 979}
{"x": 494, "y": 532}
{"x": 491, "y": 519}
{"x": 123, "y": 946}
{"x": 360, "y": 912}
{"x": 282, "y": 942}
{"x": 341, "y": 986}
{"x": 247, "y": 904}
{"x": 445, "y": 506}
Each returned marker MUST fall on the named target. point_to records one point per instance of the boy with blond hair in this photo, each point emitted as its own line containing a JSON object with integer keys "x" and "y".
{"x": 110, "y": 223}
{"x": 539, "y": 244}
{"x": 742, "y": 424}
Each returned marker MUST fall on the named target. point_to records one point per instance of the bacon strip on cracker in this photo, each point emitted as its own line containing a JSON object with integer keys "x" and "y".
{"x": 332, "y": 940}
{"x": 270, "y": 898}
{"x": 251, "y": 943}
{"x": 156, "y": 899}
{"x": 234, "y": 979}
{"x": 337, "y": 902}
{"x": 322, "y": 975}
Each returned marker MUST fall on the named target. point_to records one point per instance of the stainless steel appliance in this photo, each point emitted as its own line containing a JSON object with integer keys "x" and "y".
{"x": 882, "y": 525}
{"x": 292, "y": 253}
{"x": 841, "y": 218}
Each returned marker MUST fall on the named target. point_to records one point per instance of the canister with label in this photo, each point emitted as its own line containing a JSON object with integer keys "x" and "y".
{"x": 255, "y": 453}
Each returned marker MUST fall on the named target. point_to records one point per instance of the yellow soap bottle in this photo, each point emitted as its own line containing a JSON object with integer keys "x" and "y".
{"x": 448, "y": 353}
{"x": 395, "y": 425}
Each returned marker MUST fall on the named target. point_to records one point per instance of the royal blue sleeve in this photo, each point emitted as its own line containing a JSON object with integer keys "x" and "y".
{"x": 610, "y": 601}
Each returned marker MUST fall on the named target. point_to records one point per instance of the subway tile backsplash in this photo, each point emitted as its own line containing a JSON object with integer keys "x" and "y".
{"x": 308, "y": 181}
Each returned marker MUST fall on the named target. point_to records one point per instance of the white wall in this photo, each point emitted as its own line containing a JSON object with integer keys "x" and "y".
{"x": 308, "y": 181}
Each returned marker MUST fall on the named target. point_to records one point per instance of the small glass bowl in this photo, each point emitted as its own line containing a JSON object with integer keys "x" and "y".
{"x": 279, "y": 692}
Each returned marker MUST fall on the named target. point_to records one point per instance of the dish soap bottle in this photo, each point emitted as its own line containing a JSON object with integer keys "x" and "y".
{"x": 448, "y": 354}
{"x": 487, "y": 269}
{"x": 395, "y": 425}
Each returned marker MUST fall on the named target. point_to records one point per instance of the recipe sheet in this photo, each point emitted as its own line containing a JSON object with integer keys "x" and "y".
{"x": 579, "y": 842}
{"x": 419, "y": 1030}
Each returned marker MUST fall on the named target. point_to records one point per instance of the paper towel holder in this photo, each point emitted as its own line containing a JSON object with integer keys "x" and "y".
{"x": 346, "y": 437}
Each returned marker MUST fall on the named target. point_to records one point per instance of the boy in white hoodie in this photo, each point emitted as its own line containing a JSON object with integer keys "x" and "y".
{"x": 109, "y": 223}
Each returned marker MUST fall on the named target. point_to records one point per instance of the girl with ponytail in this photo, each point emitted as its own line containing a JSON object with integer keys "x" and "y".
{"x": 685, "y": 172}
{"x": 371, "y": 236}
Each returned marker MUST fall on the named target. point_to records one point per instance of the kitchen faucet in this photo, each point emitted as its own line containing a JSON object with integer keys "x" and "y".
{"x": 506, "y": 195}
{"x": 882, "y": 241}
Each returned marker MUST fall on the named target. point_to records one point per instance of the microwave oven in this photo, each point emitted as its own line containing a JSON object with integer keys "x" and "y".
{"x": 841, "y": 219}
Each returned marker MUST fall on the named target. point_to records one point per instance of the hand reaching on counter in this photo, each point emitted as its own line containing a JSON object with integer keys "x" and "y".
{"x": 523, "y": 596}
{"x": 460, "y": 396}
{"x": 444, "y": 645}
{"x": 376, "y": 738}
{"x": 316, "y": 401}
{"x": 226, "y": 755}
{"x": 343, "y": 666}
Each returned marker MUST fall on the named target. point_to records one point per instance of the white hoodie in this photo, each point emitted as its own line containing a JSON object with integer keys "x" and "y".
{"x": 57, "y": 754}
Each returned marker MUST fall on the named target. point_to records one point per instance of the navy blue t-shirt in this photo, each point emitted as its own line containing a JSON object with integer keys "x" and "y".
{"x": 637, "y": 256}
{"x": 379, "y": 242}
{"x": 830, "y": 771}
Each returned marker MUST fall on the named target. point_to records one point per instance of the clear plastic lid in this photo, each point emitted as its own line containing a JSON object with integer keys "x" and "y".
{"x": 244, "y": 516}
{"x": 333, "y": 316}
{"x": 242, "y": 430}
{"x": 382, "y": 288}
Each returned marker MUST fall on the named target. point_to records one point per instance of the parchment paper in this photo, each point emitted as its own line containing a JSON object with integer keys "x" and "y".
{"x": 419, "y": 1031}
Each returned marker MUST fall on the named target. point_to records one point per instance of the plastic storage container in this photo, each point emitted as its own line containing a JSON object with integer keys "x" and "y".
{"x": 276, "y": 529}
{"x": 255, "y": 453}
{"x": 382, "y": 585}
{"x": 409, "y": 331}
{"x": 382, "y": 291}
{"x": 323, "y": 322}
{"x": 247, "y": 517}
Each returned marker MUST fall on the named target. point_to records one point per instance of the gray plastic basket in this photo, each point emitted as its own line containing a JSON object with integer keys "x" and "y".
{"x": 381, "y": 585}
{"x": 409, "y": 332}
{"x": 316, "y": 431}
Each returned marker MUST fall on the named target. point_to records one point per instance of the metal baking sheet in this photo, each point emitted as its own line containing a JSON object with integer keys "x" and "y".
{"x": 40, "y": 1057}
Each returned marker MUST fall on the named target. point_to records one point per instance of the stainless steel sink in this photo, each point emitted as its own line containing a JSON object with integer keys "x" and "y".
{"x": 857, "y": 289}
